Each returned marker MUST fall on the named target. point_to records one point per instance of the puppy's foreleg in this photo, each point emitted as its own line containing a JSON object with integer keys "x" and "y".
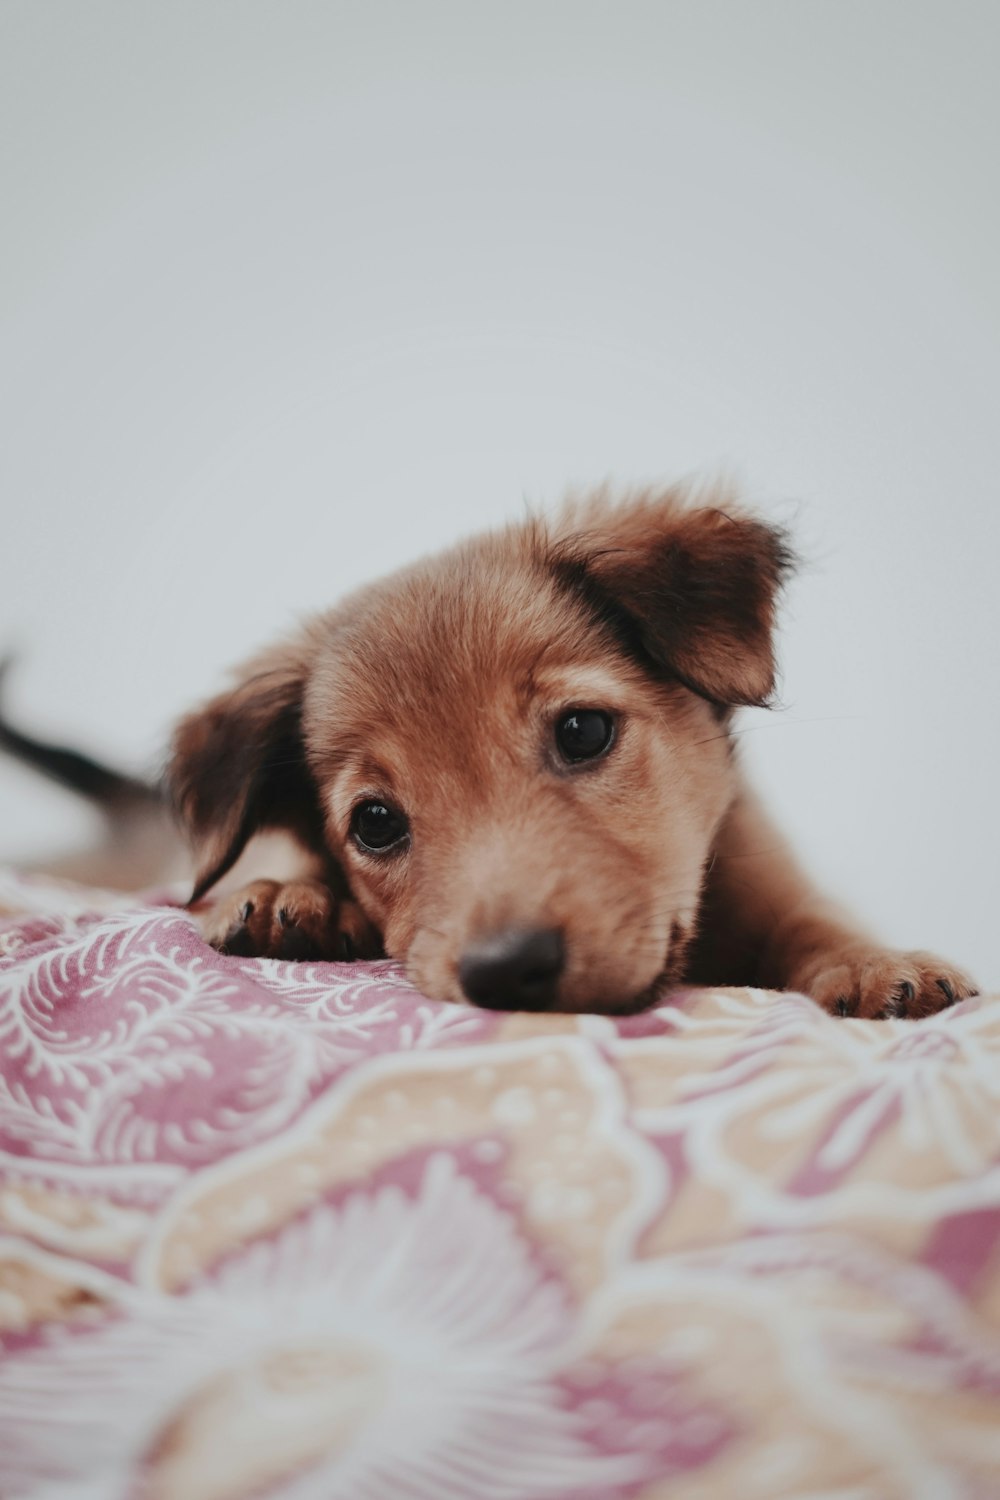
{"x": 281, "y": 901}
{"x": 764, "y": 922}
{"x": 300, "y": 919}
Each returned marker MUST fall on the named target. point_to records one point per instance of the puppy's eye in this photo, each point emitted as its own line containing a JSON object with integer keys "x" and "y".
{"x": 584, "y": 734}
{"x": 376, "y": 827}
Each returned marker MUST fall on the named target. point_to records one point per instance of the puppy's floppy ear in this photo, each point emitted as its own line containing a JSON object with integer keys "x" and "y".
{"x": 692, "y": 588}
{"x": 238, "y": 764}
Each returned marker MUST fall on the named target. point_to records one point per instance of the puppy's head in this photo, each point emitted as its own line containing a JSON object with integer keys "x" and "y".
{"x": 516, "y": 752}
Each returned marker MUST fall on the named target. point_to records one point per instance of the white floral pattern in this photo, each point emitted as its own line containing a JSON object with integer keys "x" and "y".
{"x": 827, "y": 1094}
{"x": 106, "y": 1028}
{"x": 336, "y": 1325}
{"x": 294, "y": 1231}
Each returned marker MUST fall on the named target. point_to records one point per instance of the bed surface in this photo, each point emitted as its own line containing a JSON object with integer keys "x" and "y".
{"x": 270, "y": 1229}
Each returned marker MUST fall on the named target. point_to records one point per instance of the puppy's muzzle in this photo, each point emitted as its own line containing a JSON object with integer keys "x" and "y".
{"x": 514, "y": 970}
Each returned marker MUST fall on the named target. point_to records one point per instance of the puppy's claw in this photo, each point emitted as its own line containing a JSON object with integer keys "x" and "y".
{"x": 898, "y": 1005}
{"x": 237, "y": 941}
{"x": 294, "y": 943}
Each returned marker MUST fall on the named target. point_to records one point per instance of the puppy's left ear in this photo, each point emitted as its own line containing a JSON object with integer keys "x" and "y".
{"x": 238, "y": 765}
{"x": 694, "y": 589}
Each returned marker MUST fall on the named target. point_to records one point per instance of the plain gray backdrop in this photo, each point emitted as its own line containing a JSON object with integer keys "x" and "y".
{"x": 291, "y": 293}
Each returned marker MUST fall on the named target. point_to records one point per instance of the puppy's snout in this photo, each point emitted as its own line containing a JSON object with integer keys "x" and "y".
{"x": 514, "y": 970}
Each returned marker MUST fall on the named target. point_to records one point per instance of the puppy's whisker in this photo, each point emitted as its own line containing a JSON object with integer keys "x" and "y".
{"x": 745, "y": 854}
{"x": 727, "y": 734}
{"x": 782, "y": 723}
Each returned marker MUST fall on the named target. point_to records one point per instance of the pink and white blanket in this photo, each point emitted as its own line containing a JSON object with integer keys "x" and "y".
{"x": 271, "y": 1229}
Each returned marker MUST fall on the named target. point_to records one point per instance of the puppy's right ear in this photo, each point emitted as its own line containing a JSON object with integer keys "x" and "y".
{"x": 693, "y": 587}
{"x": 238, "y": 765}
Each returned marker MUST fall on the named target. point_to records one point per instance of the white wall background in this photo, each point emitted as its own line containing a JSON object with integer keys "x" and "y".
{"x": 292, "y": 292}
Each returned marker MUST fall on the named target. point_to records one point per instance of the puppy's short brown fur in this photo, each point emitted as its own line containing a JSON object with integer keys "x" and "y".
{"x": 522, "y": 878}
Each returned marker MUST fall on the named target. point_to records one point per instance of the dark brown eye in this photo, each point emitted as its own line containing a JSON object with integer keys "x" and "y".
{"x": 584, "y": 734}
{"x": 376, "y": 827}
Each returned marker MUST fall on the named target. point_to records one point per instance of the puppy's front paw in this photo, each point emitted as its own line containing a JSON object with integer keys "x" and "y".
{"x": 881, "y": 984}
{"x": 300, "y": 919}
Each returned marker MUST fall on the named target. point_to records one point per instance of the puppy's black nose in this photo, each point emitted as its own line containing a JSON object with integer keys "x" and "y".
{"x": 514, "y": 970}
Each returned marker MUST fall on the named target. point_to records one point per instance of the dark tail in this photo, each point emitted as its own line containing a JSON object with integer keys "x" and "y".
{"x": 110, "y": 789}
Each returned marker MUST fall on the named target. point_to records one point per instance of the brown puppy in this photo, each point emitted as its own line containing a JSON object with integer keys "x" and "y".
{"x": 512, "y": 767}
